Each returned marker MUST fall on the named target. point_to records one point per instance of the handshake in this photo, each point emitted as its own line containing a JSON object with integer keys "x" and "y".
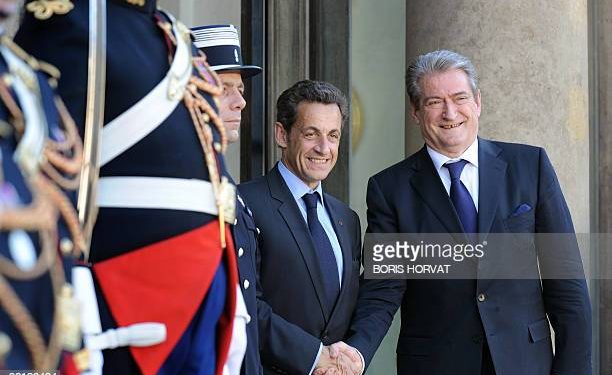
{"x": 339, "y": 359}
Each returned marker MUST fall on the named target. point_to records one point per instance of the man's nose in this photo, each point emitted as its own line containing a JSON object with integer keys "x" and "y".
{"x": 237, "y": 101}
{"x": 323, "y": 145}
{"x": 450, "y": 110}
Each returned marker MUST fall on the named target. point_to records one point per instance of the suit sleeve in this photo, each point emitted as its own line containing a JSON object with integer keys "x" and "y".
{"x": 378, "y": 300}
{"x": 283, "y": 344}
{"x": 565, "y": 292}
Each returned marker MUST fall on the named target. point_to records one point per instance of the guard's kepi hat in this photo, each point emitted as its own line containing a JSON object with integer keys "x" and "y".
{"x": 221, "y": 45}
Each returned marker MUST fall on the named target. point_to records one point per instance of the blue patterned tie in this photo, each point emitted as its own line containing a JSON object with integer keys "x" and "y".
{"x": 325, "y": 252}
{"x": 461, "y": 198}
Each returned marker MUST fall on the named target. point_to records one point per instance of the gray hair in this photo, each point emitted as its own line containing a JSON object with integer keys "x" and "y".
{"x": 434, "y": 62}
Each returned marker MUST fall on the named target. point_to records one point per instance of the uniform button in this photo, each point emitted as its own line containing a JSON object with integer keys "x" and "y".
{"x": 481, "y": 297}
{"x": 246, "y": 284}
{"x": 235, "y": 221}
{"x": 258, "y": 231}
{"x": 240, "y": 252}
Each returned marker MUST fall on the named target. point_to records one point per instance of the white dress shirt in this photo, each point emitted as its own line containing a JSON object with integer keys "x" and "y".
{"x": 469, "y": 175}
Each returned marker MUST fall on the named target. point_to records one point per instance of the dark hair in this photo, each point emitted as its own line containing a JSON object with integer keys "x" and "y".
{"x": 310, "y": 92}
{"x": 435, "y": 62}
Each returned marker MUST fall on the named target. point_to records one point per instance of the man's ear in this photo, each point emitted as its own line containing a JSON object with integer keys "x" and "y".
{"x": 280, "y": 135}
{"x": 413, "y": 113}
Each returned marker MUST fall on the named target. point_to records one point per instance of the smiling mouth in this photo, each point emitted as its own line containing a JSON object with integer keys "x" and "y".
{"x": 317, "y": 160}
{"x": 451, "y": 126}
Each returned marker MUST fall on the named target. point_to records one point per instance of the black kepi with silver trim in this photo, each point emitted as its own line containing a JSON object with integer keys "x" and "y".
{"x": 221, "y": 45}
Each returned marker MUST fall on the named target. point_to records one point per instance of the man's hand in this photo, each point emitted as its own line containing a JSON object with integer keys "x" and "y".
{"x": 339, "y": 359}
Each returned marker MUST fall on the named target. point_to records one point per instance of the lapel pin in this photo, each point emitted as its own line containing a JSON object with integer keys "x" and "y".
{"x": 340, "y": 222}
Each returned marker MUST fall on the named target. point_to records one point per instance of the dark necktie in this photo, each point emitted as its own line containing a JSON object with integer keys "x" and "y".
{"x": 325, "y": 252}
{"x": 461, "y": 198}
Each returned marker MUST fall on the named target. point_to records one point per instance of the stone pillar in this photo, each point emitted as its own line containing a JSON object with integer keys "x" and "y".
{"x": 532, "y": 60}
{"x": 601, "y": 102}
{"x": 288, "y": 59}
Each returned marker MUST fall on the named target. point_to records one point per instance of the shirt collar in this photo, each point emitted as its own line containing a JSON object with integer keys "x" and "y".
{"x": 471, "y": 155}
{"x": 297, "y": 187}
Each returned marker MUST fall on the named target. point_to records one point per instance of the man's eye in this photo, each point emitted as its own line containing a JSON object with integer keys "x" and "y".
{"x": 309, "y": 135}
{"x": 433, "y": 103}
{"x": 462, "y": 99}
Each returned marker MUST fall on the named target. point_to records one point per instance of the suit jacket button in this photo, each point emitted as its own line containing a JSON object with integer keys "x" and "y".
{"x": 477, "y": 339}
{"x": 240, "y": 252}
{"x": 481, "y": 297}
{"x": 246, "y": 284}
{"x": 324, "y": 335}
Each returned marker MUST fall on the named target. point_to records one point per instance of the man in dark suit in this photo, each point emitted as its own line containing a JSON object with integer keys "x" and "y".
{"x": 221, "y": 45}
{"x": 309, "y": 259}
{"x": 459, "y": 183}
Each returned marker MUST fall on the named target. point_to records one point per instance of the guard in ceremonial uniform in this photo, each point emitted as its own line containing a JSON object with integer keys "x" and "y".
{"x": 40, "y": 161}
{"x": 161, "y": 253}
{"x": 221, "y": 45}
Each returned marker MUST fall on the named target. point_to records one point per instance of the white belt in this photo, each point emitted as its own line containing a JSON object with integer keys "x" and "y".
{"x": 145, "y": 116}
{"x": 157, "y": 193}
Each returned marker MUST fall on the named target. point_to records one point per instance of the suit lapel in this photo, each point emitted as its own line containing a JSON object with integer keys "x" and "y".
{"x": 428, "y": 185}
{"x": 491, "y": 182}
{"x": 290, "y": 212}
{"x": 343, "y": 238}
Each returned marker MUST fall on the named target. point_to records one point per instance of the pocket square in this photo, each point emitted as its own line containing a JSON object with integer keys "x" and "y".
{"x": 524, "y": 207}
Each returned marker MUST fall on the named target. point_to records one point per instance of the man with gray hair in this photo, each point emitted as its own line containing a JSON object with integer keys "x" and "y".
{"x": 461, "y": 184}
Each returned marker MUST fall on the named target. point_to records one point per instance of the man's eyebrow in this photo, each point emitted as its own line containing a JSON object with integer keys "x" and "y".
{"x": 231, "y": 85}
{"x": 439, "y": 97}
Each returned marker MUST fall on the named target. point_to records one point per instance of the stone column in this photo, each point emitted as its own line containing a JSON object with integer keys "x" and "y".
{"x": 533, "y": 65}
{"x": 601, "y": 102}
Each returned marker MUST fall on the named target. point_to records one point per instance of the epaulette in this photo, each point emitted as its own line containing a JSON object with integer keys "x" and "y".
{"x": 44, "y": 9}
{"x": 37, "y": 65}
